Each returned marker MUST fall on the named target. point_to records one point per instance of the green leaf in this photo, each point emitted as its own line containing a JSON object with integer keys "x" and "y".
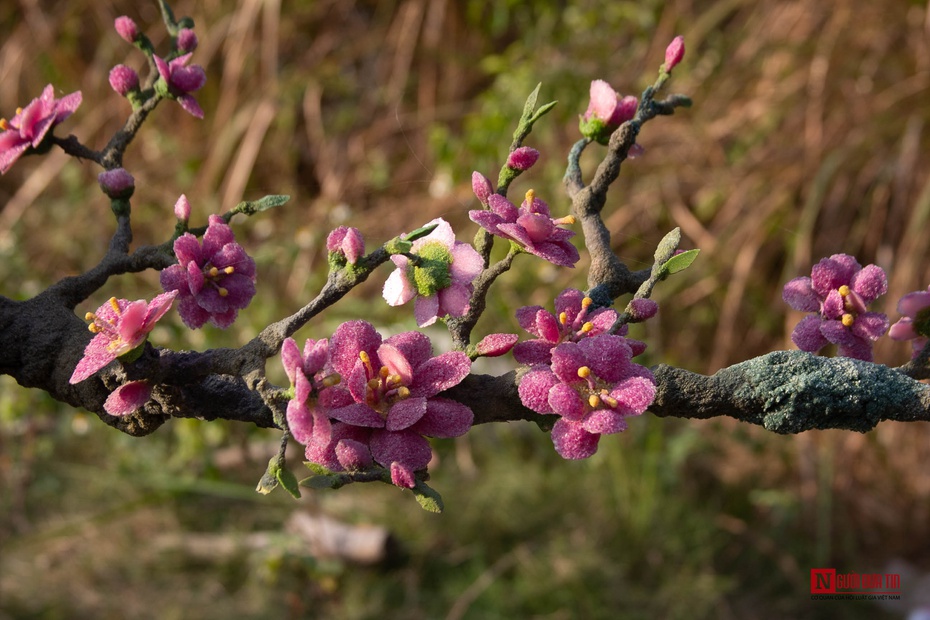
{"x": 680, "y": 262}
{"x": 289, "y": 481}
{"x": 333, "y": 481}
{"x": 530, "y": 104}
{"x": 427, "y": 497}
{"x": 317, "y": 469}
{"x": 251, "y": 207}
{"x": 542, "y": 111}
{"x": 413, "y": 235}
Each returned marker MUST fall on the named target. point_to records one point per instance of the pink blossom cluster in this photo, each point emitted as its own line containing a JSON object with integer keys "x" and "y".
{"x": 837, "y": 293}
{"x": 383, "y": 404}
{"x": 581, "y": 372}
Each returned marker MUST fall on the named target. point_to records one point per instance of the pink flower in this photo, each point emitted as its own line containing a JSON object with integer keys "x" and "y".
{"x": 438, "y": 272}
{"x": 214, "y": 280}
{"x": 29, "y": 127}
{"x": 915, "y": 325}
{"x": 837, "y": 294}
{"x": 121, "y": 326}
{"x": 531, "y": 226}
{"x": 347, "y": 243}
{"x": 128, "y": 398}
{"x": 126, "y": 28}
{"x": 387, "y": 402}
{"x": 309, "y": 372}
{"x": 674, "y": 53}
{"x": 607, "y": 110}
{"x": 593, "y": 386}
{"x": 180, "y": 80}
{"x": 124, "y": 80}
{"x": 574, "y": 320}
{"x": 522, "y": 158}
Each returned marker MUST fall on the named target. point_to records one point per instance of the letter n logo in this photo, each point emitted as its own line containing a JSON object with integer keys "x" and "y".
{"x": 823, "y": 580}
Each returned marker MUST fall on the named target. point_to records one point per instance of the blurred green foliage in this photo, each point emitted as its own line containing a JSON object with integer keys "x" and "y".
{"x": 808, "y": 137}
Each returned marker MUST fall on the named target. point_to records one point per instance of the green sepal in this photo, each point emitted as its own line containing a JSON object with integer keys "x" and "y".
{"x": 120, "y": 207}
{"x": 130, "y": 356}
{"x": 398, "y": 246}
{"x": 251, "y": 207}
{"x": 427, "y": 497}
{"x": 680, "y": 262}
{"x": 332, "y": 481}
{"x": 289, "y": 481}
{"x": 317, "y": 469}
{"x": 422, "y": 231}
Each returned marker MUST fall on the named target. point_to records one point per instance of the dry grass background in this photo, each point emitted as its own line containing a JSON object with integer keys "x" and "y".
{"x": 808, "y": 137}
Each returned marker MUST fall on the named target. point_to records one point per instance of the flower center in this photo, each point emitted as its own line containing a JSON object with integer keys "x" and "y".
{"x": 214, "y": 276}
{"x": 594, "y": 390}
{"x": 383, "y": 388}
{"x": 578, "y": 328}
{"x": 431, "y": 268}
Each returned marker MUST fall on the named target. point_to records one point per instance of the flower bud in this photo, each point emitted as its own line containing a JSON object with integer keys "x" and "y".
{"x": 117, "y": 183}
{"x": 187, "y": 40}
{"x": 481, "y": 186}
{"x": 642, "y": 309}
{"x": 124, "y": 80}
{"x": 674, "y": 53}
{"x": 182, "y": 208}
{"x": 494, "y": 345}
{"x": 523, "y": 158}
{"x": 126, "y": 28}
{"x": 347, "y": 242}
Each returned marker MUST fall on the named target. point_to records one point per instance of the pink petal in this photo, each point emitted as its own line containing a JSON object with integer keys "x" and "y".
{"x": 395, "y": 361}
{"x": 405, "y": 413}
{"x": 870, "y": 283}
{"x": 604, "y": 422}
{"x": 415, "y": 346}
{"x": 566, "y": 402}
{"x": 444, "y": 418}
{"x": 405, "y": 447}
{"x": 398, "y": 289}
{"x": 534, "y": 389}
{"x": 440, "y": 373}
{"x": 353, "y": 455}
{"x": 349, "y": 339}
{"x": 572, "y": 441}
{"x": 912, "y": 303}
{"x": 128, "y": 397}
{"x": 806, "y": 335}
{"x": 96, "y": 356}
{"x": 454, "y": 300}
{"x": 358, "y": 414}
{"x": 300, "y": 421}
{"x": 467, "y": 264}
{"x": 426, "y": 310}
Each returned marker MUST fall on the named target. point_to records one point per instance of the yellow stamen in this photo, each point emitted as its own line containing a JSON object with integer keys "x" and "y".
{"x": 568, "y": 219}
{"x": 229, "y": 270}
{"x": 530, "y": 196}
{"x": 92, "y": 328}
{"x": 563, "y": 318}
{"x": 609, "y": 400}
{"x": 587, "y": 327}
{"x": 848, "y": 320}
{"x": 394, "y": 380}
{"x": 586, "y": 302}
{"x": 19, "y": 111}
{"x": 331, "y": 380}
{"x": 222, "y": 291}
{"x": 114, "y": 305}
{"x": 584, "y": 372}
{"x": 594, "y": 401}
{"x": 844, "y": 291}
{"x": 4, "y": 124}
{"x": 90, "y": 316}
{"x": 213, "y": 272}
{"x": 374, "y": 383}
{"x": 403, "y": 392}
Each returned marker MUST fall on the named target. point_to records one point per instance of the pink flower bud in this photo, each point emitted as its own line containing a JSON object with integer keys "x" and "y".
{"x": 523, "y": 158}
{"x": 642, "y": 309}
{"x": 481, "y": 186}
{"x": 124, "y": 79}
{"x": 126, "y": 28}
{"x": 182, "y": 208}
{"x": 674, "y": 52}
{"x": 348, "y": 242}
{"x": 494, "y": 345}
{"x": 187, "y": 40}
{"x": 117, "y": 183}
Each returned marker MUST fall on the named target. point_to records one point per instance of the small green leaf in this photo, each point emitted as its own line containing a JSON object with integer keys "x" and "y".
{"x": 542, "y": 111}
{"x": 289, "y": 481}
{"x": 317, "y": 469}
{"x": 323, "y": 482}
{"x": 251, "y": 207}
{"x": 680, "y": 262}
{"x": 427, "y": 497}
{"x": 530, "y": 104}
{"x": 413, "y": 235}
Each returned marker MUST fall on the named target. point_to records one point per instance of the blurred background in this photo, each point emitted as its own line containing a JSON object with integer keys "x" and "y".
{"x": 808, "y": 136}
